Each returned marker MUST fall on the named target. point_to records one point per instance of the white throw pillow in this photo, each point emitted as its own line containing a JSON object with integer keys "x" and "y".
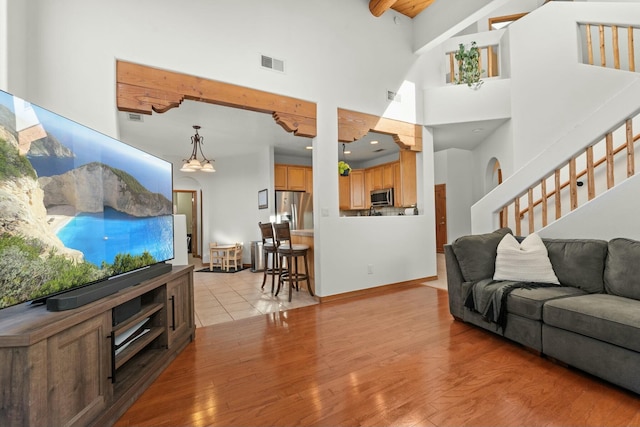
{"x": 524, "y": 262}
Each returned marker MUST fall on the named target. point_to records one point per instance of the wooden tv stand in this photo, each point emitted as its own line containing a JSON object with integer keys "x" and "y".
{"x": 61, "y": 368}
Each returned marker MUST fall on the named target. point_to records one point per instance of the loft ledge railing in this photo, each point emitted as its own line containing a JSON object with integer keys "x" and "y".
{"x": 488, "y": 62}
{"x": 564, "y": 185}
{"x": 609, "y": 45}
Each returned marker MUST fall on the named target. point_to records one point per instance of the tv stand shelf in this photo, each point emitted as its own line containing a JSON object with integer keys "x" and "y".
{"x": 62, "y": 366}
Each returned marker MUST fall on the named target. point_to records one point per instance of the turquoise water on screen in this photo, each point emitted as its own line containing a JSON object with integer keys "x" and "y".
{"x": 100, "y": 236}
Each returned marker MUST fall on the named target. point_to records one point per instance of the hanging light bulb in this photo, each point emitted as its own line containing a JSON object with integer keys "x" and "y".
{"x": 192, "y": 164}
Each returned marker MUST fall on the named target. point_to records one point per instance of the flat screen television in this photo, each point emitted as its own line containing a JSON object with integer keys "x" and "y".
{"x": 81, "y": 214}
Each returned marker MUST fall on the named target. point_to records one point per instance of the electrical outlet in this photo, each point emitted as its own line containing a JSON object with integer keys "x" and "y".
{"x": 370, "y": 268}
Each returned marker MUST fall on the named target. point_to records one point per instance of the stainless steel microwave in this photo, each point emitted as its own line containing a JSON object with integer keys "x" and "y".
{"x": 380, "y": 198}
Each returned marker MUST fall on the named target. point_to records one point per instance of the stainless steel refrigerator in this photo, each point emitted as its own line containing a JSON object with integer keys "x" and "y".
{"x": 295, "y": 207}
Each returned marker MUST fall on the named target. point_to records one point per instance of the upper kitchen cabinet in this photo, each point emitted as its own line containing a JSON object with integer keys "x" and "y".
{"x": 405, "y": 191}
{"x": 292, "y": 178}
{"x": 352, "y": 191}
{"x": 308, "y": 180}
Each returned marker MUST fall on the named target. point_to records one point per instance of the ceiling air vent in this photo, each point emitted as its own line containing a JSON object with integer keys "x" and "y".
{"x": 394, "y": 96}
{"x": 378, "y": 150}
{"x": 272, "y": 63}
{"x": 135, "y": 117}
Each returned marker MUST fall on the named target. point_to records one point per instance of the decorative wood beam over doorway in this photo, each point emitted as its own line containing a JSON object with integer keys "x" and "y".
{"x": 142, "y": 89}
{"x": 353, "y": 126}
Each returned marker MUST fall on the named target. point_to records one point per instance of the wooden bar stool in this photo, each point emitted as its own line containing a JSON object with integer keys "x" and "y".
{"x": 291, "y": 252}
{"x": 269, "y": 248}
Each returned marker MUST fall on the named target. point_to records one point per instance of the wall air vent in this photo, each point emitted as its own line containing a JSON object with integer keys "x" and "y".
{"x": 135, "y": 117}
{"x": 394, "y": 96}
{"x": 272, "y": 63}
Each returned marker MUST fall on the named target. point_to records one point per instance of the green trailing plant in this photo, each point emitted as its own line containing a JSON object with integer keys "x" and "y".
{"x": 469, "y": 71}
{"x": 343, "y": 168}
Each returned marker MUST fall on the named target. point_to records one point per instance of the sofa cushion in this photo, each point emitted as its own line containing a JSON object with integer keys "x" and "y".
{"x": 527, "y": 261}
{"x": 578, "y": 262}
{"x": 528, "y": 302}
{"x": 476, "y": 254}
{"x": 607, "y": 318}
{"x": 622, "y": 269}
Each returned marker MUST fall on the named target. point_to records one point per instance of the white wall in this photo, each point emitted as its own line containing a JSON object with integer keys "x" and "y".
{"x": 613, "y": 214}
{"x": 569, "y": 106}
{"x": 13, "y": 46}
{"x": 337, "y": 55}
{"x": 444, "y": 19}
{"x": 452, "y": 168}
{"x": 552, "y": 92}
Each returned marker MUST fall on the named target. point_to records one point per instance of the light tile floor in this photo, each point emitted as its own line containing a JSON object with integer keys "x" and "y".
{"x": 441, "y": 281}
{"x": 224, "y": 297}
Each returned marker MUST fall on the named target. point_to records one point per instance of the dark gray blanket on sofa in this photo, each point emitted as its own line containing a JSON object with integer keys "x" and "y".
{"x": 489, "y": 298}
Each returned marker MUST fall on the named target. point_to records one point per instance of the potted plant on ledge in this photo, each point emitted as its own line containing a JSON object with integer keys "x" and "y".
{"x": 343, "y": 168}
{"x": 469, "y": 71}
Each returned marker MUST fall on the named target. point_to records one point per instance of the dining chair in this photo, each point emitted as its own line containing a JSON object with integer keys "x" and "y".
{"x": 235, "y": 257}
{"x": 216, "y": 256}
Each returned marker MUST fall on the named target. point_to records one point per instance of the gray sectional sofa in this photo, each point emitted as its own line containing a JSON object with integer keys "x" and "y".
{"x": 590, "y": 321}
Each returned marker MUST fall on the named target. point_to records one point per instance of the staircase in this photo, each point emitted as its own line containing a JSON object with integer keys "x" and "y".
{"x": 574, "y": 147}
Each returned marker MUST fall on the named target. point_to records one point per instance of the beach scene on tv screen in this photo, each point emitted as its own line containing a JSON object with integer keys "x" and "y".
{"x": 76, "y": 206}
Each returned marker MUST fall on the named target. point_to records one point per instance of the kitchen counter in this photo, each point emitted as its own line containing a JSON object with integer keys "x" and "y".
{"x": 306, "y": 233}
{"x": 305, "y": 237}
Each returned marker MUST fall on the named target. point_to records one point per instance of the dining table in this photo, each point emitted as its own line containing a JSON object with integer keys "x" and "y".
{"x": 222, "y": 252}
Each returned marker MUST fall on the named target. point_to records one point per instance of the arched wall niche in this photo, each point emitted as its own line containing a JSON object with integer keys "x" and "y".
{"x": 493, "y": 175}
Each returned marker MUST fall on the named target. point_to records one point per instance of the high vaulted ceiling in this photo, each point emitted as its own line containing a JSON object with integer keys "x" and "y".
{"x": 410, "y": 8}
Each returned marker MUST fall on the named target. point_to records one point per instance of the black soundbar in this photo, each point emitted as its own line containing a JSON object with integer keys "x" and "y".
{"x": 78, "y": 297}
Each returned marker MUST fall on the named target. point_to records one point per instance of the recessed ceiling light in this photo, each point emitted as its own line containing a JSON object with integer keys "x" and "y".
{"x": 347, "y": 152}
{"x": 374, "y": 142}
{"x": 309, "y": 147}
{"x": 477, "y": 130}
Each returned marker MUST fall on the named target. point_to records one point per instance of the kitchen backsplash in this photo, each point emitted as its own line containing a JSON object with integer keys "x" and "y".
{"x": 385, "y": 211}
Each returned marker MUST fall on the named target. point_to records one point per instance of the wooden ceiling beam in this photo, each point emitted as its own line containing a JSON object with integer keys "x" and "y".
{"x": 353, "y": 125}
{"x": 142, "y": 89}
{"x": 378, "y": 7}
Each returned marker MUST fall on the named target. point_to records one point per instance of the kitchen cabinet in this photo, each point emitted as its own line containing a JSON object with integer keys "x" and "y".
{"x": 291, "y": 177}
{"x": 344, "y": 191}
{"x": 358, "y": 200}
{"x": 397, "y": 190}
{"x": 376, "y": 173}
{"x": 405, "y": 190}
{"x": 387, "y": 175}
{"x": 368, "y": 186}
{"x": 280, "y": 177}
{"x": 308, "y": 180}
{"x": 352, "y": 190}
{"x": 296, "y": 178}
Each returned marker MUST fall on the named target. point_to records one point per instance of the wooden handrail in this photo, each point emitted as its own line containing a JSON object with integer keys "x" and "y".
{"x": 580, "y": 175}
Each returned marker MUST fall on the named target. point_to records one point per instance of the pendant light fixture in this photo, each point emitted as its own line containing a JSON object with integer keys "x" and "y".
{"x": 192, "y": 164}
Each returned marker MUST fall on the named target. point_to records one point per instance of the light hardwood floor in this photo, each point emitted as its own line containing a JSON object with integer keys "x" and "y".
{"x": 396, "y": 358}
